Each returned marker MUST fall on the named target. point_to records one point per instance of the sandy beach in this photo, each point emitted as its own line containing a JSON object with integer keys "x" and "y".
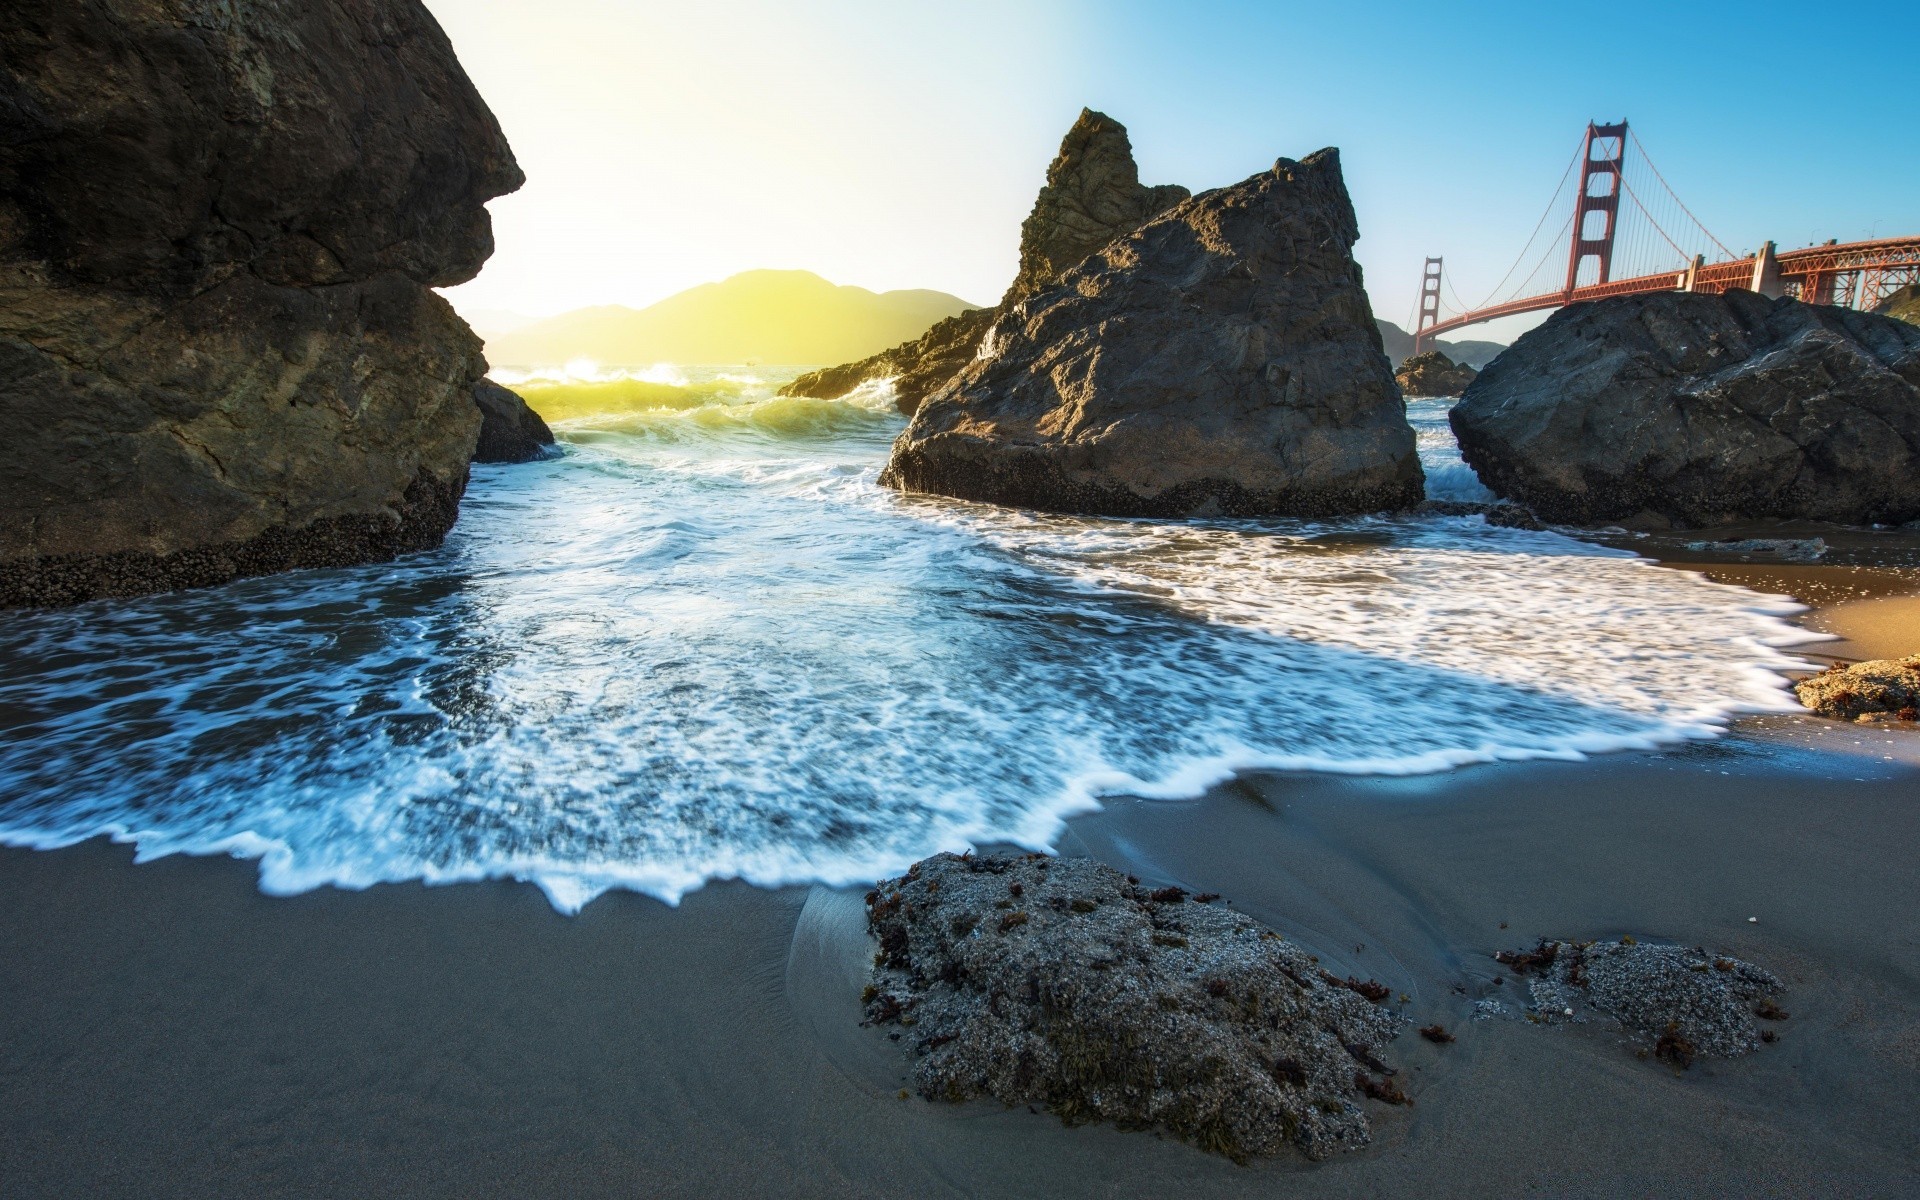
{"x": 170, "y": 1031}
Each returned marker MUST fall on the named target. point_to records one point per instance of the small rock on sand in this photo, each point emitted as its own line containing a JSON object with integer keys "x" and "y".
{"x": 1680, "y": 1002}
{"x": 1880, "y": 690}
{"x": 1057, "y": 982}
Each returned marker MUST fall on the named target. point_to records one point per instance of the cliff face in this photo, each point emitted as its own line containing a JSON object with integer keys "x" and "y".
{"x": 1221, "y": 358}
{"x": 219, "y": 224}
{"x": 1092, "y": 195}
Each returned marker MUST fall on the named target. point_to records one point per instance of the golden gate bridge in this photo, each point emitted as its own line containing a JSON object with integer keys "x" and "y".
{"x": 1663, "y": 248}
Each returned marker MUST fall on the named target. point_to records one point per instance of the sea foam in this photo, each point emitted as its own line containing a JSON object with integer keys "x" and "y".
{"x": 705, "y": 644}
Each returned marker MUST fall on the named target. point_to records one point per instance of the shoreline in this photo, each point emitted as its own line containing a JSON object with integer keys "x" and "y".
{"x": 456, "y": 1040}
{"x": 173, "y": 1030}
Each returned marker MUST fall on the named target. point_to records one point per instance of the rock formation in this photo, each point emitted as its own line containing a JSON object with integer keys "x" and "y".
{"x": 1093, "y": 194}
{"x": 219, "y": 225}
{"x": 916, "y": 368}
{"x": 1903, "y": 305}
{"x": 1433, "y": 374}
{"x": 1697, "y": 409}
{"x": 1220, "y": 359}
{"x": 1678, "y": 1002}
{"x": 1879, "y": 690}
{"x": 1058, "y": 982}
{"x": 510, "y": 432}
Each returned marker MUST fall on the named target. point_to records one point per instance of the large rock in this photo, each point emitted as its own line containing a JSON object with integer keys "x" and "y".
{"x": 1433, "y": 374}
{"x": 1220, "y": 359}
{"x": 220, "y": 221}
{"x": 1058, "y": 982}
{"x": 1093, "y": 194}
{"x": 1698, "y": 409}
{"x": 510, "y": 432}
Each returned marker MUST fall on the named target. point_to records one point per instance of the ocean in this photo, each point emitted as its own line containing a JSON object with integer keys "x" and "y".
{"x": 703, "y": 643}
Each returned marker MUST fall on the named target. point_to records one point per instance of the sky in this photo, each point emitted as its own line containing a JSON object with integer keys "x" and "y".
{"x": 899, "y": 144}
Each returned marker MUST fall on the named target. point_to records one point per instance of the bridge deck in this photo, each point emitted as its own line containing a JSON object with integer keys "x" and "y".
{"x": 1795, "y": 266}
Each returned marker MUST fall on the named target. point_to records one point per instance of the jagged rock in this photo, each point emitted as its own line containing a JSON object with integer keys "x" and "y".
{"x": 1058, "y": 982}
{"x": 1222, "y": 358}
{"x": 1701, "y": 409}
{"x": 1092, "y": 195}
{"x": 1877, "y": 690}
{"x": 1903, "y": 305}
{"x": 1433, "y": 374}
{"x": 510, "y": 432}
{"x": 219, "y": 226}
{"x": 1678, "y": 1002}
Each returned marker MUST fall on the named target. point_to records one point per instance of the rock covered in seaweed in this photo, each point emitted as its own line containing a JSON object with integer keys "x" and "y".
{"x": 220, "y": 225}
{"x": 1093, "y": 194}
{"x": 1059, "y": 982}
{"x": 1878, "y": 690}
{"x": 1220, "y": 359}
{"x": 1702, "y": 409}
{"x": 1677, "y": 1002}
{"x": 510, "y": 432}
{"x": 1433, "y": 374}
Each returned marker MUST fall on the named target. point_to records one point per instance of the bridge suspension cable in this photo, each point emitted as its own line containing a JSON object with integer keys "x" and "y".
{"x": 1697, "y": 223}
{"x": 1538, "y": 225}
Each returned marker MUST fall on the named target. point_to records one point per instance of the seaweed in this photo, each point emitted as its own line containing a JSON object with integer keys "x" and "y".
{"x": 1167, "y": 895}
{"x": 1383, "y": 1090}
{"x": 1012, "y": 921}
{"x": 1369, "y": 988}
{"x": 1436, "y": 1033}
{"x": 1674, "y": 1048}
{"x": 1539, "y": 958}
{"x": 1767, "y": 1010}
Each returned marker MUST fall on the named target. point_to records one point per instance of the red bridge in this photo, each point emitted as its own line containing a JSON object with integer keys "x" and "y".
{"x": 1664, "y": 248}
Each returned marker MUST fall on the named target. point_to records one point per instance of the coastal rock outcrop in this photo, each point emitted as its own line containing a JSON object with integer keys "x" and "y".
{"x": 1700, "y": 409}
{"x": 1093, "y": 194}
{"x": 1882, "y": 689}
{"x": 1678, "y": 1002}
{"x": 510, "y": 432}
{"x": 1060, "y": 982}
{"x": 220, "y": 224}
{"x": 1433, "y": 374}
{"x": 1220, "y": 359}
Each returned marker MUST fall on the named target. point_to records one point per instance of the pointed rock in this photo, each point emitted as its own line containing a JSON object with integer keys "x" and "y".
{"x": 1220, "y": 359}
{"x": 1093, "y": 194}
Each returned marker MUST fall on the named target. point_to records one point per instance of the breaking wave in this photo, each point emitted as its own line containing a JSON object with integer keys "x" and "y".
{"x": 704, "y": 643}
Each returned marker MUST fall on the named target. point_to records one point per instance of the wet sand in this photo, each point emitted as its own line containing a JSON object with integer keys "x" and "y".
{"x": 169, "y": 1031}
{"x": 166, "y": 1030}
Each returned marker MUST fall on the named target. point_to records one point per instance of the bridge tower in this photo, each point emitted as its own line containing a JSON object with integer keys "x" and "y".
{"x": 1429, "y": 306}
{"x": 1596, "y": 212}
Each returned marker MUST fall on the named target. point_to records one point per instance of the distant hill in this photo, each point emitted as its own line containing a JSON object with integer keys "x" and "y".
{"x": 1399, "y": 346}
{"x": 1903, "y": 305}
{"x": 757, "y": 316}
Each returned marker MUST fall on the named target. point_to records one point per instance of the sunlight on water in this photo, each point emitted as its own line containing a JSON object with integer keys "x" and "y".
{"x": 705, "y": 644}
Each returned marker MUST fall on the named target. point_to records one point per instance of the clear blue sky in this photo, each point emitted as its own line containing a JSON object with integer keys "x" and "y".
{"x": 896, "y": 145}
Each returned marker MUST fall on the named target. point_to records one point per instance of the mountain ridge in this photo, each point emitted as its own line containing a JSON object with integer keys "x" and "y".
{"x": 776, "y": 316}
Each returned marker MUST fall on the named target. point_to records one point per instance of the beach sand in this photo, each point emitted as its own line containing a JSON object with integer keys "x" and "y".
{"x": 167, "y": 1030}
